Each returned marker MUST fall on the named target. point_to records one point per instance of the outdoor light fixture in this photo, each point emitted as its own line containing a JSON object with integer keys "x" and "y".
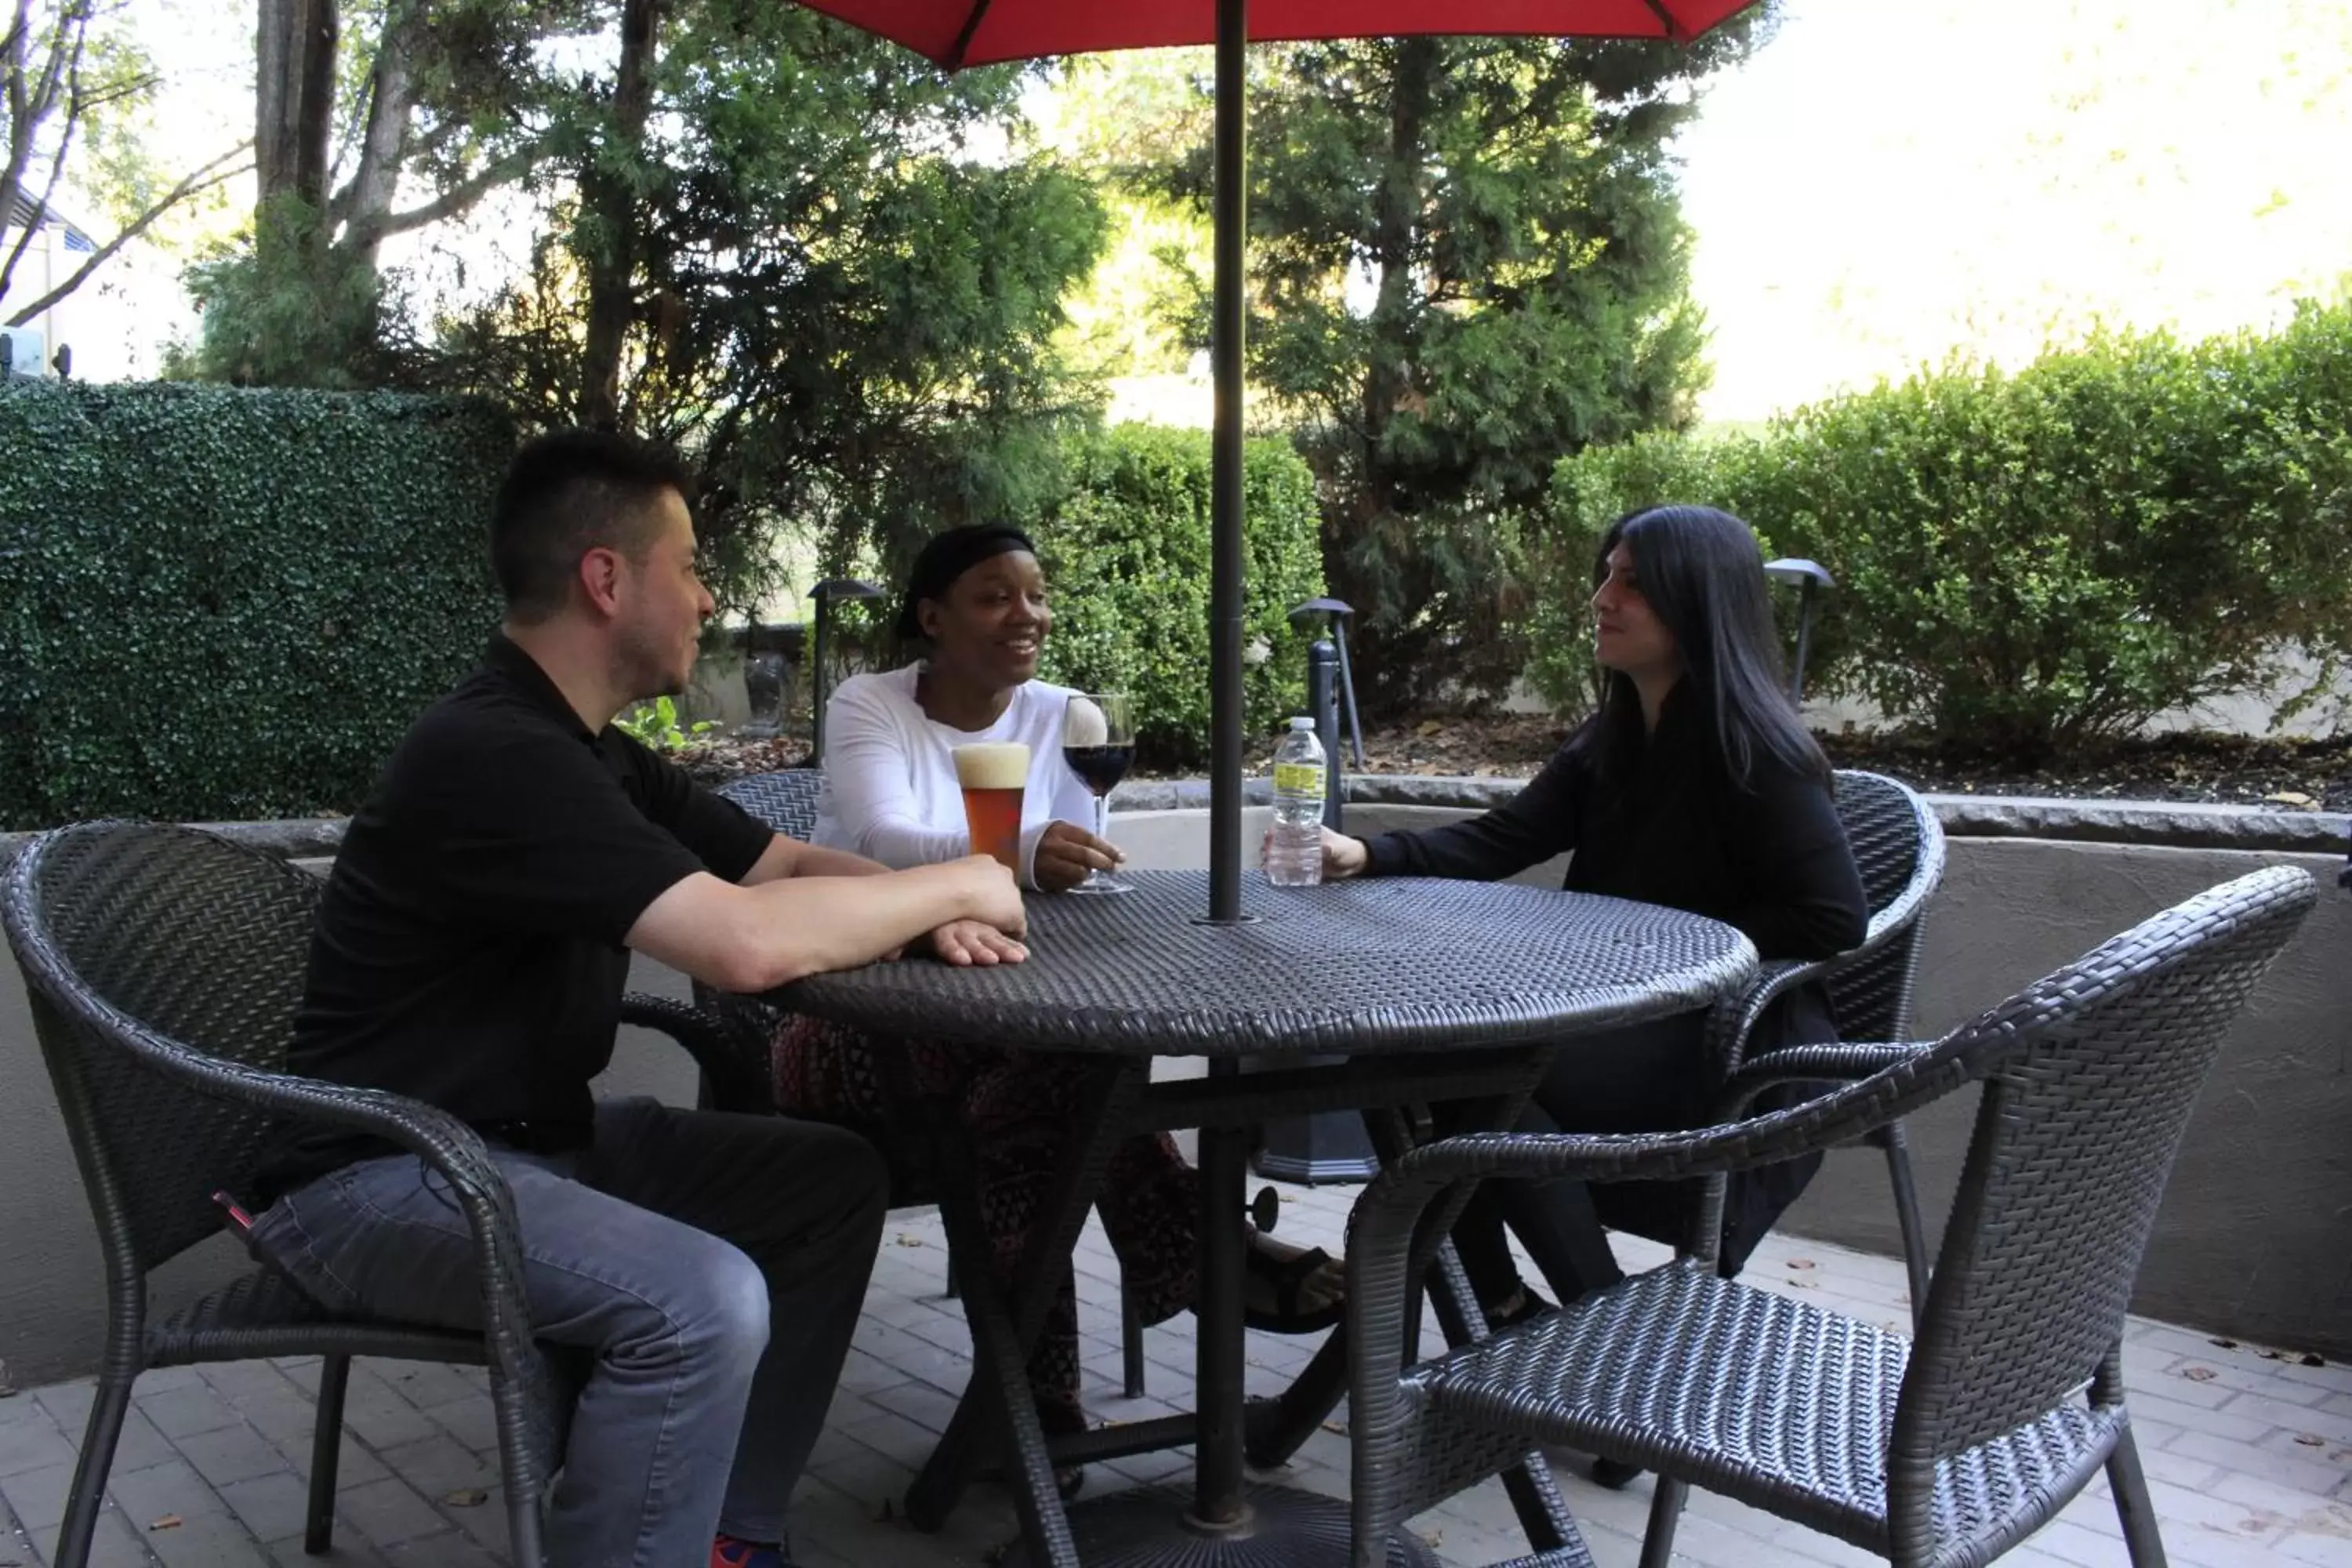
{"x": 1807, "y": 576}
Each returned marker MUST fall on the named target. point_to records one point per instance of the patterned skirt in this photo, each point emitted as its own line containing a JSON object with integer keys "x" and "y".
{"x": 1018, "y": 1107}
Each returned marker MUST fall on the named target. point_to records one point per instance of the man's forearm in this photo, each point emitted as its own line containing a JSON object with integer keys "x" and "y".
{"x": 814, "y": 861}
{"x": 790, "y": 858}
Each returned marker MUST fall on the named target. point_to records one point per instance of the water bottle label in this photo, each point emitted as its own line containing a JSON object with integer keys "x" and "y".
{"x": 1298, "y": 778}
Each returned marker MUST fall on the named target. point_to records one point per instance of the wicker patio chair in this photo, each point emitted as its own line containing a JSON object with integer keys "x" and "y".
{"x": 1898, "y": 847}
{"x": 163, "y": 968}
{"x": 1938, "y": 1453}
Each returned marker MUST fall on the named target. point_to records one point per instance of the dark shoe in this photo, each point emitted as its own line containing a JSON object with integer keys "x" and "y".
{"x": 1283, "y": 1279}
{"x": 1529, "y": 1306}
{"x": 1616, "y": 1475}
{"x": 727, "y": 1551}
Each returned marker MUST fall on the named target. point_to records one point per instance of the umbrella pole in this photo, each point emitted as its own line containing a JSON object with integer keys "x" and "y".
{"x": 1219, "y": 1505}
{"x": 1225, "y": 483}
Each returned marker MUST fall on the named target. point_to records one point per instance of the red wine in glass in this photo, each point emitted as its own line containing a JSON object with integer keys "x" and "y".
{"x": 1099, "y": 768}
{"x": 1099, "y": 743}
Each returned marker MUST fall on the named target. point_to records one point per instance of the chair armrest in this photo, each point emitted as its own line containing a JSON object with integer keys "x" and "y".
{"x": 1834, "y": 1061}
{"x": 445, "y": 1144}
{"x": 1381, "y": 1225}
{"x": 735, "y": 1082}
{"x": 1733, "y": 1018}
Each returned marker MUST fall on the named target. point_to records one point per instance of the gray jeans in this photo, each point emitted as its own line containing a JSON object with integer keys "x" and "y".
{"x": 714, "y": 1264}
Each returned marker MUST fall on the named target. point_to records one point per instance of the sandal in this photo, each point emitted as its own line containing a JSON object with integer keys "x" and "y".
{"x": 1286, "y": 1278}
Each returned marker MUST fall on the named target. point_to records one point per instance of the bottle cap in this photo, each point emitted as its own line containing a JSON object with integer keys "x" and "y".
{"x": 1302, "y": 724}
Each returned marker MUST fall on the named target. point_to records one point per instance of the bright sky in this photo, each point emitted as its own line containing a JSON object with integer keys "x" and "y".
{"x": 1886, "y": 180}
{"x": 1891, "y": 178}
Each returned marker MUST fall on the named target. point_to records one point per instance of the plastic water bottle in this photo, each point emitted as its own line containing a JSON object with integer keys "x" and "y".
{"x": 1295, "y": 858}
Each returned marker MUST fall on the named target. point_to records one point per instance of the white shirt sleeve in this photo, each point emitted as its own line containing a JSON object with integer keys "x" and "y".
{"x": 870, "y": 758}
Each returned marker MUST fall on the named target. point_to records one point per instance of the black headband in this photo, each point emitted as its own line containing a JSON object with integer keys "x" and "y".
{"x": 949, "y": 556}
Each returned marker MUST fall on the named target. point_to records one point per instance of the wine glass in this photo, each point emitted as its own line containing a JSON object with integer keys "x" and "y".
{"x": 1098, "y": 742}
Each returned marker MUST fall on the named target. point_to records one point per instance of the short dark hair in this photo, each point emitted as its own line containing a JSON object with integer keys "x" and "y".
{"x": 565, "y": 493}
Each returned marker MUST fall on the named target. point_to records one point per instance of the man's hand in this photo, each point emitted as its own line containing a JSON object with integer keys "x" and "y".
{"x": 1066, "y": 853}
{"x": 991, "y": 896}
{"x": 966, "y": 942}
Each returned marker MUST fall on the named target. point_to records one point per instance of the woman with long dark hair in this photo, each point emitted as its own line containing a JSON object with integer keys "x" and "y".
{"x": 1695, "y": 785}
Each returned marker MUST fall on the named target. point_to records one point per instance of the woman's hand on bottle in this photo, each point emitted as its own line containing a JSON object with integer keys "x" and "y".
{"x": 1343, "y": 857}
{"x": 1066, "y": 853}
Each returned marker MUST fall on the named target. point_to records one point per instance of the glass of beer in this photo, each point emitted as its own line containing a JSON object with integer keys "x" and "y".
{"x": 993, "y": 775}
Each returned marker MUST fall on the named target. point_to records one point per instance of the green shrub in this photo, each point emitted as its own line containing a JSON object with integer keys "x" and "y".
{"x": 219, "y": 604}
{"x": 2119, "y": 529}
{"x": 1126, "y": 551}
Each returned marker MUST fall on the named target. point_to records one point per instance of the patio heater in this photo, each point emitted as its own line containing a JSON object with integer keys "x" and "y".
{"x": 1333, "y": 645}
{"x": 1327, "y": 1145}
{"x": 825, "y": 593}
{"x": 1807, "y": 576}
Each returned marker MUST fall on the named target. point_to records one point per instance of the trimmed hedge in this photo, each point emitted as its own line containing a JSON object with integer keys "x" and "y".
{"x": 1127, "y": 552}
{"x": 2023, "y": 560}
{"x": 220, "y": 603}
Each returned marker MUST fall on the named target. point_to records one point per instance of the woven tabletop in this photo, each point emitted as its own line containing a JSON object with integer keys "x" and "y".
{"x": 1388, "y": 964}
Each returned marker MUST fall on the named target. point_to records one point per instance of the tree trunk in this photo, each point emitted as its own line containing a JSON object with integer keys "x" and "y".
{"x": 361, "y": 208}
{"x": 294, "y": 94}
{"x": 611, "y": 209}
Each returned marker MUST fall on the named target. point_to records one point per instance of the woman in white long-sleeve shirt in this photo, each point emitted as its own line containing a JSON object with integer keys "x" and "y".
{"x": 976, "y": 600}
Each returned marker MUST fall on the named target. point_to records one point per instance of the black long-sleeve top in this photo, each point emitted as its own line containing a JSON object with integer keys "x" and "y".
{"x": 1772, "y": 858}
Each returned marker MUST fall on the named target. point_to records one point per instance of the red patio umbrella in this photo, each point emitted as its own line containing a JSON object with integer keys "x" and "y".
{"x": 959, "y": 33}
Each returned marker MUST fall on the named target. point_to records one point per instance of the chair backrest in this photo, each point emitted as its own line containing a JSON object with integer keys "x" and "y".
{"x": 2074, "y": 1138}
{"x": 785, "y": 800}
{"x": 1898, "y": 847}
{"x": 142, "y": 942}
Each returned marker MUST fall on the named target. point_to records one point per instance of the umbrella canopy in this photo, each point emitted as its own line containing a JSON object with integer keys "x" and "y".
{"x": 959, "y": 33}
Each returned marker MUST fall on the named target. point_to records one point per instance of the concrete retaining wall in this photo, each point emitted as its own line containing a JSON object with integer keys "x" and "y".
{"x": 2255, "y": 1237}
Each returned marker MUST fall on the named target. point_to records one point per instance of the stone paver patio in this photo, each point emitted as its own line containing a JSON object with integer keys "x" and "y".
{"x": 2250, "y": 1458}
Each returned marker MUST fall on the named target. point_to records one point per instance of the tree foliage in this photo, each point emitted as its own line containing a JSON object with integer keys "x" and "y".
{"x": 74, "y": 82}
{"x": 375, "y": 119}
{"x": 1467, "y": 261}
{"x": 826, "y": 297}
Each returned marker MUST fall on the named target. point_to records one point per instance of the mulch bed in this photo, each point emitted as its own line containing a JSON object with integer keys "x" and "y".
{"x": 2285, "y": 774}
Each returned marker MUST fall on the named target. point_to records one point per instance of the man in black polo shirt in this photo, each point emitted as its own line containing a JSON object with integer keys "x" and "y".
{"x": 471, "y": 951}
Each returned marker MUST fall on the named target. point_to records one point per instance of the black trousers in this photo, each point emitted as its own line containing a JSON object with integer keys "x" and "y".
{"x": 1649, "y": 1077}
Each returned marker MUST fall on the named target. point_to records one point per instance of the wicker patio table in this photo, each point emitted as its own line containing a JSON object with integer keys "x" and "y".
{"x": 1434, "y": 990}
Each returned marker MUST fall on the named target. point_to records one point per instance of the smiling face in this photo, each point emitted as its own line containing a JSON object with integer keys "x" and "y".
{"x": 990, "y": 625}
{"x": 1628, "y": 636}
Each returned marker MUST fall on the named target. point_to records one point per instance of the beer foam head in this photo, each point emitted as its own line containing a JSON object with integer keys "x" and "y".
{"x": 995, "y": 764}
{"x": 1083, "y": 724}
